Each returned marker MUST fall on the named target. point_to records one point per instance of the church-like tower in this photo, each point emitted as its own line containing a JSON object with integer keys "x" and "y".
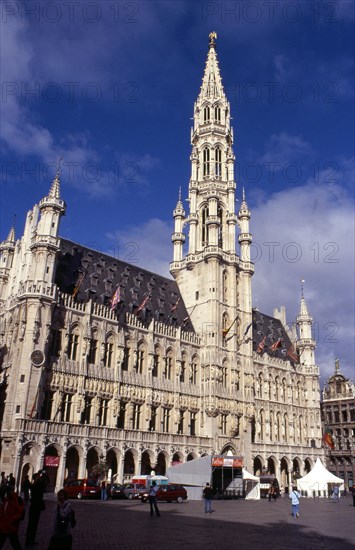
{"x": 214, "y": 280}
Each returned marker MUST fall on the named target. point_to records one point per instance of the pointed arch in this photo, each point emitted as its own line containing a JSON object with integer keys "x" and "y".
{"x": 206, "y": 160}
{"x": 218, "y": 161}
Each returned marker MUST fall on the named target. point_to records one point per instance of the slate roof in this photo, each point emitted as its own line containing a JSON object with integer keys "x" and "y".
{"x": 269, "y": 330}
{"x": 100, "y": 275}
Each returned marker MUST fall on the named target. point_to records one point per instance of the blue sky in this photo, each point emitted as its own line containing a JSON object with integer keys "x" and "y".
{"x": 110, "y": 86}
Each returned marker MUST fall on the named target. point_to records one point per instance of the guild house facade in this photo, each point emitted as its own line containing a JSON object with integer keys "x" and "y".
{"x": 103, "y": 362}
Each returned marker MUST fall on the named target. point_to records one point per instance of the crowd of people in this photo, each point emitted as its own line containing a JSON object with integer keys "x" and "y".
{"x": 14, "y": 508}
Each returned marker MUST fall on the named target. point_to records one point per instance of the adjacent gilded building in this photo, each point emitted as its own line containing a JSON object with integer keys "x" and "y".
{"x": 338, "y": 415}
{"x": 106, "y": 362}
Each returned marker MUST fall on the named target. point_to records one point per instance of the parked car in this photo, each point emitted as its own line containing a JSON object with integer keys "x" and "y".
{"x": 82, "y": 488}
{"x": 168, "y": 493}
{"x": 117, "y": 491}
{"x": 133, "y": 490}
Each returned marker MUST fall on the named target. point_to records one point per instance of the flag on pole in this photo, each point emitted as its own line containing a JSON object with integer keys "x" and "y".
{"x": 275, "y": 345}
{"x": 247, "y": 330}
{"x": 173, "y": 308}
{"x": 116, "y": 297}
{"x": 226, "y": 330}
{"x": 185, "y": 321}
{"x": 142, "y": 305}
{"x": 328, "y": 438}
{"x": 261, "y": 345}
{"x": 291, "y": 353}
{"x": 78, "y": 284}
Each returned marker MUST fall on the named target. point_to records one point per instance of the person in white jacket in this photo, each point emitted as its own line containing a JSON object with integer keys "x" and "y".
{"x": 295, "y": 500}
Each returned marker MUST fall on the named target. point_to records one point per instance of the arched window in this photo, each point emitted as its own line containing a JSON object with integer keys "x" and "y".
{"x": 141, "y": 355}
{"x": 127, "y": 355}
{"x": 168, "y": 364}
{"x": 206, "y": 114}
{"x": 73, "y": 344}
{"x": 225, "y": 286}
{"x": 218, "y": 161}
{"x": 206, "y": 161}
{"x": 109, "y": 352}
{"x": 217, "y": 114}
{"x": 204, "y": 228}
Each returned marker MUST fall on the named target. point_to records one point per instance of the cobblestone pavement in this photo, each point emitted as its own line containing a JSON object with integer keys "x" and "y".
{"x": 323, "y": 525}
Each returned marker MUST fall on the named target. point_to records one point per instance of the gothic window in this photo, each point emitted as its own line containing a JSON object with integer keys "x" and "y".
{"x": 166, "y": 419}
{"x": 127, "y": 355}
{"x": 55, "y": 346}
{"x": 206, "y": 161}
{"x": 206, "y": 114}
{"x": 204, "y": 225}
{"x": 65, "y": 407}
{"x": 157, "y": 361}
{"x": 94, "y": 344}
{"x": 193, "y": 371}
{"x": 183, "y": 368}
{"x": 86, "y": 416}
{"x": 109, "y": 352}
{"x": 141, "y": 358}
{"x": 218, "y": 161}
{"x": 121, "y": 419}
{"x": 220, "y": 228}
{"x": 168, "y": 364}
{"x": 277, "y": 383}
{"x": 192, "y": 423}
{"x": 46, "y": 411}
{"x": 73, "y": 344}
{"x": 180, "y": 429}
{"x": 224, "y": 424}
{"x": 224, "y": 374}
{"x": 153, "y": 419}
{"x": 136, "y": 416}
{"x": 103, "y": 412}
{"x": 225, "y": 286}
{"x": 217, "y": 114}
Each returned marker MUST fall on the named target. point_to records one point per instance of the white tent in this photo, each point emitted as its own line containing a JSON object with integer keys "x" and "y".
{"x": 317, "y": 481}
{"x": 251, "y": 486}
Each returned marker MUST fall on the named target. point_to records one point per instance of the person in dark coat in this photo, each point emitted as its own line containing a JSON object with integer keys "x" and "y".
{"x": 26, "y": 486}
{"x": 36, "y": 507}
{"x": 12, "y": 511}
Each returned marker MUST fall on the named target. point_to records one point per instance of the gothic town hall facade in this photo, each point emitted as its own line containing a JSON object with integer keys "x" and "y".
{"x": 106, "y": 362}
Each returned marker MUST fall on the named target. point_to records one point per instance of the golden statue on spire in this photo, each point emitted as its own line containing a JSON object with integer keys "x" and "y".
{"x": 213, "y": 37}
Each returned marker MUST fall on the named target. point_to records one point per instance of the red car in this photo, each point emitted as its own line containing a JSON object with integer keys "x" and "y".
{"x": 168, "y": 493}
{"x": 82, "y": 488}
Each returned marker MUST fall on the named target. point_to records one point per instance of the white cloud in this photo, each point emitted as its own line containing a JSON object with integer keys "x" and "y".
{"x": 308, "y": 232}
{"x": 284, "y": 148}
{"x": 147, "y": 245}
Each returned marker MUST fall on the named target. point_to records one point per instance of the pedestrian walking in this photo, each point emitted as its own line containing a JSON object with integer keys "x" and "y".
{"x": 3, "y": 485}
{"x": 12, "y": 511}
{"x": 336, "y": 494}
{"x": 26, "y": 486}
{"x": 36, "y": 507}
{"x": 153, "y": 499}
{"x": 103, "y": 490}
{"x": 295, "y": 500}
{"x": 270, "y": 491}
{"x": 62, "y": 537}
{"x": 207, "y": 494}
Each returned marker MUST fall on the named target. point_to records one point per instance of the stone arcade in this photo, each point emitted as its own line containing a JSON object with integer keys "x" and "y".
{"x": 179, "y": 368}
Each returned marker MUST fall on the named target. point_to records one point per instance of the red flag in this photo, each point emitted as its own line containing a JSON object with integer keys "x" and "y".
{"x": 141, "y": 306}
{"x": 292, "y": 353}
{"x": 116, "y": 298}
{"x": 173, "y": 308}
{"x": 261, "y": 345}
{"x": 328, "y": 438}
{"x": 275, "y": 345}
{"x": 78, "y": 284}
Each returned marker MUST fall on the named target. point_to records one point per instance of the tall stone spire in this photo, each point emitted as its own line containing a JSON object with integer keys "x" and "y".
{"x": 54, "y": 191}
{"x": 306, "y": 345}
